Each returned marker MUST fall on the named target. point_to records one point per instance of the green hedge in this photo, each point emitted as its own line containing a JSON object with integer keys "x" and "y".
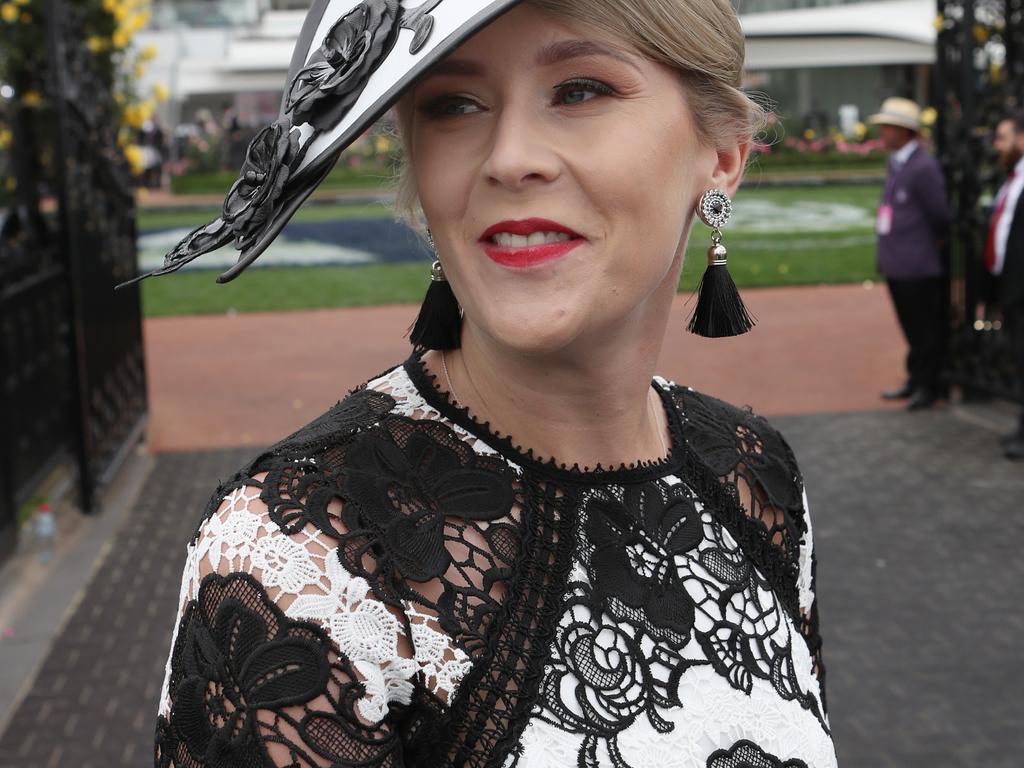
{"x": 341, "y": 178}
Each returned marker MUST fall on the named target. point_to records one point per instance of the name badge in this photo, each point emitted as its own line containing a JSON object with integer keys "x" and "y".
{"x": 884, "y": 224}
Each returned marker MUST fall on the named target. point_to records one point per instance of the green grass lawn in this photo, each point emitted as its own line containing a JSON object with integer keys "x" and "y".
{"x": 756, "y": 259}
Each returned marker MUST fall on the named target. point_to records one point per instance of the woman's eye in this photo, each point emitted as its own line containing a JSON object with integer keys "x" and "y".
{"x": 450, "y": 106}
{"x": 579, "y": 91}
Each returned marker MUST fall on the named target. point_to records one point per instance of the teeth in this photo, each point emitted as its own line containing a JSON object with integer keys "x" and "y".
{"x": 508, "y": 240}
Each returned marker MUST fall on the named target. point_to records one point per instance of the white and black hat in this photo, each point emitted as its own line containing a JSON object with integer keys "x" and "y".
{"x": 352, "y": 62}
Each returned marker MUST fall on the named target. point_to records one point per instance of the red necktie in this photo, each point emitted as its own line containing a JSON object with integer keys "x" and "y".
{"x": 990, "y": 244}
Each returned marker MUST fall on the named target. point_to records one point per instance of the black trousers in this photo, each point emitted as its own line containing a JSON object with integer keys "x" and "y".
{"x": 1013, "y": 324}
{"x": 921, "y": 306}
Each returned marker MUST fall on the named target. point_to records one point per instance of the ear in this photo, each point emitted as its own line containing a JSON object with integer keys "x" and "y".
{"x": 728, "y": 172}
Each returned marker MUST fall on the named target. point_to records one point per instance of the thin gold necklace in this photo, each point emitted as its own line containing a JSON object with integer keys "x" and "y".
{"x": 650, "y": 403}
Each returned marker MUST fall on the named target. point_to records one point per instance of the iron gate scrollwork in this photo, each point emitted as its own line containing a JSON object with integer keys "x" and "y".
{"x": 979, "y": 75}
{"x": 73, "y": 376}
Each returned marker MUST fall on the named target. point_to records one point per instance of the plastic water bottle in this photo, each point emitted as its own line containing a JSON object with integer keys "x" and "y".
{"x": 46, "y": 532}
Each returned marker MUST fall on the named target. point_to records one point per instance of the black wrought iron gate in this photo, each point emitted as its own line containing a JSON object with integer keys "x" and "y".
{"x": 72, "y": 378}
{"x": 978, "y": 77}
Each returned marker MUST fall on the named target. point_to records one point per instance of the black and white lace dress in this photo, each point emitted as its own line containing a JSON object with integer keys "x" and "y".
{"x": 396, "y": 585}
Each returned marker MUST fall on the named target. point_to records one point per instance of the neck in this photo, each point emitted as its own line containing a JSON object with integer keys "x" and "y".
{"x": 589, "y": 404}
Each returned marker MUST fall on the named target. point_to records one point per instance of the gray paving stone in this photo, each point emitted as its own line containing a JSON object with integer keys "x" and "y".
{"x": 94, "y": 699}
{"x": 918, "y": 527}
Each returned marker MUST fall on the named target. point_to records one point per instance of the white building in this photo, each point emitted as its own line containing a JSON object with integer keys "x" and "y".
{"x": 809, "y": 56}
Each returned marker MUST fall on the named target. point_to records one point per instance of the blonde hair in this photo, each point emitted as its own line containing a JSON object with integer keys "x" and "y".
{"x": 701, "y": 39}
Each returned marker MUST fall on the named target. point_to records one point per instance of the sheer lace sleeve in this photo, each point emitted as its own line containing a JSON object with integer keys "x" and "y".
{"x": 280, "y": 656}
{"x": 765, "y": 506}
{"x": 809, "y": 601}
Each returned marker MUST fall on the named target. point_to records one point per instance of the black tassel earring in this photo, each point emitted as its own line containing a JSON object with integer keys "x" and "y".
{"x": 439, "y": 324}
{"x": 719, "y": 311}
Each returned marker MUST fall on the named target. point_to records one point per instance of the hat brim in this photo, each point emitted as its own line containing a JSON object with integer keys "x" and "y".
{"x": 900, "y": 121}
{"x": 418, "y": 37}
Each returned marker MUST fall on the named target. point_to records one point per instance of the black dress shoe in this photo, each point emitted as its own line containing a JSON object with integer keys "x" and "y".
{"x": 1012, "y": 437}
{"x": 1014, "y": 450}
{"x": 922, "y": 399}
{"x": 899, "y": 394}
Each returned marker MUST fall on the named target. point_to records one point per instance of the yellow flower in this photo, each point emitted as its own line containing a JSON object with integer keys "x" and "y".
{"x": 11, "y": 184}
{"x": 120, "y": 13}
{"x": 929, "y": 116}
{"x": 809, "y": 134}
{"x": 9, "y": 12}
{"x": 109, "y": 5}
{"x": 26, "y": 18}
{"x": 139, "y": 21}
{"x": 96, "y": 44}
{"x": 980, "y": 33}
{"x": 133, "y": 154}
{"x": 139, "y": 70}
{"x": 940, "y": 22}
{"x": 5, "y": 138}
{"x": 120, "y": 39}
{"x": 861, "y": 130}
{"x": 148, "y": 53}
{"x": 31, "y": 99}
{"x": 160, "y": 93}
{"x": 132, "y": 116}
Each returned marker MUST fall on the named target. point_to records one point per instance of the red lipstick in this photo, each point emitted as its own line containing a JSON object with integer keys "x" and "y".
{"x": 527, "y": 256}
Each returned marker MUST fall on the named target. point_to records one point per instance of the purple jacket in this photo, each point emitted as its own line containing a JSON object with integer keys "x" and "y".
{"x": 921, "y": 218}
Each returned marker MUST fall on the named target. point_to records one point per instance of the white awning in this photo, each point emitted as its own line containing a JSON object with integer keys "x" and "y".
{"x": 862, "y": 34}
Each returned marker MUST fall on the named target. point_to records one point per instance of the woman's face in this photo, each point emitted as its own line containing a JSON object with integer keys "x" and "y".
{"x": 558, "y": 172}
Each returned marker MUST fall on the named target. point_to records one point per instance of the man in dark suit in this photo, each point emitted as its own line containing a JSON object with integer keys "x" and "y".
{"x": 913, "y": 219}
{"x": 1004, "y": 251}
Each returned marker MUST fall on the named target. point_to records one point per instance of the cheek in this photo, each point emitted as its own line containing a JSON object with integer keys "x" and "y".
{"x": 647, "y": 201}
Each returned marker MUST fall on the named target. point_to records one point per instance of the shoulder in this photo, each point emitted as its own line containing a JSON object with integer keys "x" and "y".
{"x": 923, "y": 164}
{"x": 309, "y": 448}
{"x": 728, "y": 439}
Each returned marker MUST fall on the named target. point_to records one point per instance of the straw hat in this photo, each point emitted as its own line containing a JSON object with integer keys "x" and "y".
{"x": 352, "y": 62}
{"x": 902, "y": 113}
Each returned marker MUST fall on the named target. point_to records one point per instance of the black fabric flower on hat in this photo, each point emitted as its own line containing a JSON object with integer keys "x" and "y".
{"x": 327, "y": 87}
{"x": 268, "y": 165}
{"x": 635, "y": 543}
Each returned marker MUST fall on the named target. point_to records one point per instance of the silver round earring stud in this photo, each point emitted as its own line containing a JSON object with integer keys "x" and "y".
{"x": 715, "y": 208}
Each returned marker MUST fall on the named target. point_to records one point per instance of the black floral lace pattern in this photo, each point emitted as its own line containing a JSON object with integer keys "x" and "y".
{"x": 581, "y": 599}
{"x": 746, "y": 754}
{"x": 241, "y": 672}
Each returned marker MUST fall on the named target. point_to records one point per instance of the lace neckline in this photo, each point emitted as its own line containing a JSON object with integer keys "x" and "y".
{"x": 426, "y": 385}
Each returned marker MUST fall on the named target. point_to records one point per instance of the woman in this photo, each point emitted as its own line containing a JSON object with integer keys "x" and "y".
{"x": 518, "y": 548}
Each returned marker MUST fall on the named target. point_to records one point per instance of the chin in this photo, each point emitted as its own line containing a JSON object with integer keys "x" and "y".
{"x": 535, "y": 333}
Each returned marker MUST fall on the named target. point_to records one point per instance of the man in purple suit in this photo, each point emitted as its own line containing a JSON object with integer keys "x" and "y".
{"x": 913, "y": 219}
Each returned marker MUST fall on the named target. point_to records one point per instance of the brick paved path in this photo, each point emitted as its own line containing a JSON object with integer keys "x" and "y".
{"x": 94, "y": 700}
{"x": 918, "y": 528}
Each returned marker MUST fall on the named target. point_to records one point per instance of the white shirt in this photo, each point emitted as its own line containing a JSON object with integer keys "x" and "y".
{"x": 1010, "y": 191}
{"x": 901, "y": 155}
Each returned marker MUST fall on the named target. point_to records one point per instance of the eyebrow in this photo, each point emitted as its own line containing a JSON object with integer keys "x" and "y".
{"x": 563, "y": 50}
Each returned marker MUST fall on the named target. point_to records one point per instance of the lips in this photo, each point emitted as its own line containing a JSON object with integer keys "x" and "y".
{"x": 505, "y": 244}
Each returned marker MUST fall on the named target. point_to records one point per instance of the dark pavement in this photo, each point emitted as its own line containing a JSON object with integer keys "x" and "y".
{"x": 918, "y": 529}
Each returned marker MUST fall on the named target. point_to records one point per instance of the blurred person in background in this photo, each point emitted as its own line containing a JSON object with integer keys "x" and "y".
{"x": 913, "y": 219}
{"x": 1004, "y": 252}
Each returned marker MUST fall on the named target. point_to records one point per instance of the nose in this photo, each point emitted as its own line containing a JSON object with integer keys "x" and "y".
{"x": 521, "y": 152}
